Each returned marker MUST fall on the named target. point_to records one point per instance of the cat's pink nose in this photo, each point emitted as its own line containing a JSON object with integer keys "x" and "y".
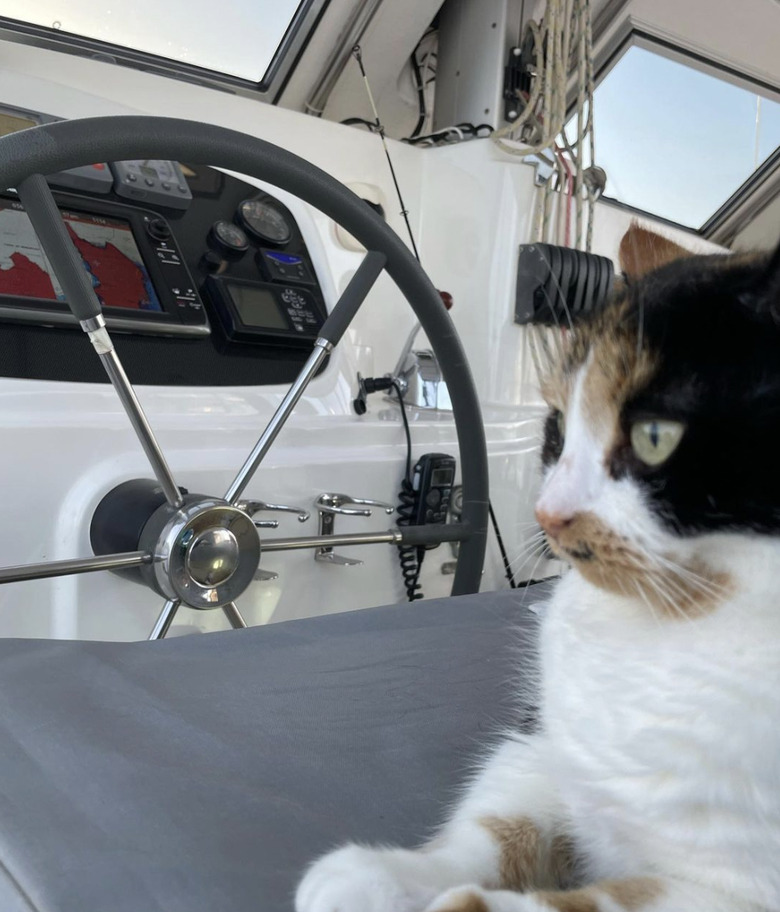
{"x": 552, "y": 523}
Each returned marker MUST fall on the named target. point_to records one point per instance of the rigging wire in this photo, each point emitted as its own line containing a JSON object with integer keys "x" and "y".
{"x": 356, "y": 52}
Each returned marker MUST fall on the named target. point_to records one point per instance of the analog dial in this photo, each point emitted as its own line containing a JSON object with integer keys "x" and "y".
{"x": 230, "y": 236}
{"x": 265, "y": 221}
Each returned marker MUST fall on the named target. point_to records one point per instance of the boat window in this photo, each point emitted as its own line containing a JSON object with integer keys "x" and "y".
{"x": 676, "y": 141}
{"x": 242, "y": 39}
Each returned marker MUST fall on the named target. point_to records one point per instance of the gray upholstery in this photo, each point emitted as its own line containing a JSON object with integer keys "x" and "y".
{"x": 200, "y": 774}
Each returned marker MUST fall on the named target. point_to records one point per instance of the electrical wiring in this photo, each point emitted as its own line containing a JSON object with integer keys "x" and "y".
{"x": 421, "y": 81}
{"x": 359, "y": 121}
{"x": 420, "y": 88}
{"x": 455, "y": 133}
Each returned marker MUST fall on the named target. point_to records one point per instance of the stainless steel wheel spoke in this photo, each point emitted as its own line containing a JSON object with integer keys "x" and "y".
{"x": 330, "y": 334}
{"x": 233, "y": 615}
{"x": 163, "y": 623}
{"x": 67, "y": 265}
{"x": 69, "y": 567}
{"x": 116, "y": 373}
{"x": 409, "y": 535}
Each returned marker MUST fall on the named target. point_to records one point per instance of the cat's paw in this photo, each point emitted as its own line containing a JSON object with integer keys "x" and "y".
{"x": 471, "y": 898}
{"x": 468, "y": 898}
{"x": 359, "y": 879}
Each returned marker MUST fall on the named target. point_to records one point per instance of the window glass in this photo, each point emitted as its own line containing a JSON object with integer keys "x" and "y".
{"x": 238, "y": 38}
{"x": 677, "y": 142}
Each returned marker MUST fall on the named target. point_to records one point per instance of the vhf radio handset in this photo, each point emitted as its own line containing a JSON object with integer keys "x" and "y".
{"x": 432, "y": 482}
{"x": 424, "y": 501}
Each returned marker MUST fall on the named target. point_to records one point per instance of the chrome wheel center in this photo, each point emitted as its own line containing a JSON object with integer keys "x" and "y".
{"x": 213, "y": 557}
{"x": 206, "y": 553}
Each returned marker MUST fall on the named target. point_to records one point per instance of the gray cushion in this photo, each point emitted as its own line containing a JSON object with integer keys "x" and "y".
{"x": 202, "y": 773}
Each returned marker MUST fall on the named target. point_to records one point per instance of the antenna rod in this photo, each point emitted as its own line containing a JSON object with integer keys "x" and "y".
{"x": 381, "y": 131}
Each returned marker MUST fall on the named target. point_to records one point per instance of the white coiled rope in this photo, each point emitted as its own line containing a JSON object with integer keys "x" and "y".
{"x": 562, "y": 50}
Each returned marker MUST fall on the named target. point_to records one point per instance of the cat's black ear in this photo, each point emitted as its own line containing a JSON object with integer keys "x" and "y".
{"x": 642, "y": 251}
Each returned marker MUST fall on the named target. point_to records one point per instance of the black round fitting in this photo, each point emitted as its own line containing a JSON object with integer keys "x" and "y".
{"x": 120, "y": 518}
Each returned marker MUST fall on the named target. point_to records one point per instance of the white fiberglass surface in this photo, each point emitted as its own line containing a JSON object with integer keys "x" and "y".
{"x": 675, "y": 141}
{"x": 239, "y": 38}
{"x": 66, "y": 446}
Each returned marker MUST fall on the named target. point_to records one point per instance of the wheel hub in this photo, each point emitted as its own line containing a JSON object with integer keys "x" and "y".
{"x": 213, "y": 557}
{"x": 206, "y": 553}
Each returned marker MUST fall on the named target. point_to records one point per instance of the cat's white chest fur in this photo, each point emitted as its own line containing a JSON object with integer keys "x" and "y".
{"x": 664, "y": 734}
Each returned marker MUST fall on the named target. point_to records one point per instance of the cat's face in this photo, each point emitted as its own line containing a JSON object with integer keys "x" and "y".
{"x": 664, "y": 429}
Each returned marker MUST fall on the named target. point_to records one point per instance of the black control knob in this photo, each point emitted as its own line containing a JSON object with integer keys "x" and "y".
{"x": 211, "y": 261}
{"x": 159, "y": 229}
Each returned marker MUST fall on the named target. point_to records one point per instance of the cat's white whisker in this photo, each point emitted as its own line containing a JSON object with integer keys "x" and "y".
{"x": 646, "y": 599}
{"x": 530, "y": 578}
{"x": 532, "y": 345}
{"x": 528, "y": 544}
{"x": 692, "y": 580}
{"x": 667, "y": 598}
{"x": 535, "y": 549}
{"x": 561, "y": 294}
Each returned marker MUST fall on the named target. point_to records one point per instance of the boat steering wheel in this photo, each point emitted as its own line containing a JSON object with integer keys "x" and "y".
{"x": 203, "y": 551}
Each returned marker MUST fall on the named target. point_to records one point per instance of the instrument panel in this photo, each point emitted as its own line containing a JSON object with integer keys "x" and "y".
{"x": 135, "y": 267}
{"x": 212, "y": 284}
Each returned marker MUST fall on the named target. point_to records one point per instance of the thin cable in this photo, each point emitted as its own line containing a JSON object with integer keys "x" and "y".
{"x": 356, "y": 52}
{"x": 354, "y": 121}
{"x": 397, "y": 388}
{"x": 507, "y": 566}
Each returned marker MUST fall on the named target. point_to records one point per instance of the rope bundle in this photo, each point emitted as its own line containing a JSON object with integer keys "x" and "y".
{"x": 563, "y": 53}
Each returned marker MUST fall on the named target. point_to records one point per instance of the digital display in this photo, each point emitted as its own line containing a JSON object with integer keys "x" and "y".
{"x": 441, "y": 477}
{"x": 256, "y": 307}
{"x": 108, "y": 250}
{"x": 148, "y": 172}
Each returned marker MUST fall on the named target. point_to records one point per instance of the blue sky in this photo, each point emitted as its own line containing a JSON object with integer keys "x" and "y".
{"x": 674, "y": 141}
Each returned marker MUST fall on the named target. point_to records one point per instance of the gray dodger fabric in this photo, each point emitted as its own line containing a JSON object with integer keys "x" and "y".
{"x": 201, "y": 774}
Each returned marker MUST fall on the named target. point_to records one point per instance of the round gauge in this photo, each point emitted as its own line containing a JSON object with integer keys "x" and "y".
{"x": 229, "y": 236}
{"x": 265, "y": 220}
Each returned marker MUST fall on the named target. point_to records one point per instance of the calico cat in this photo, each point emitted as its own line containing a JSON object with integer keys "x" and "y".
{"x": 653, "y": 784}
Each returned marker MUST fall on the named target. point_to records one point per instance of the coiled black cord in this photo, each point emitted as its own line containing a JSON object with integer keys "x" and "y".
{"x": 410, "y": 557}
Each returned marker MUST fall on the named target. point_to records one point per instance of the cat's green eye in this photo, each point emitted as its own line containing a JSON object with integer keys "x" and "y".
{"x": 655, "y": 440}
{"x": 561, "y": 424}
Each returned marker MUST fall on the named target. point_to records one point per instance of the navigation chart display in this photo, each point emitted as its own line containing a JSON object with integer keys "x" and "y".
{"x": 108, "y": 250}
